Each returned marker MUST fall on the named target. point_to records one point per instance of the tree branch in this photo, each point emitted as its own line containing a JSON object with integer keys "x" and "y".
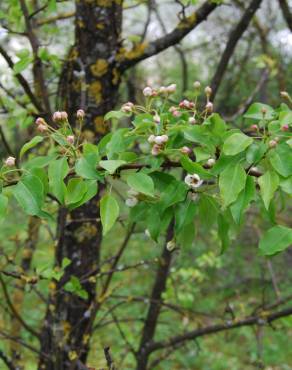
{"x": 286, "y": 13}
{"x": 7, "y": 361}
{"x": 184, "y": 27}
{"x": 235, "y": 36}
{"x": 259, "y": 319}
{"x": 22, "y": 81}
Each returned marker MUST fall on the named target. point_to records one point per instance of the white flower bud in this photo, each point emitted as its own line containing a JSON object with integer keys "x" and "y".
{"x": 10, "y": 162}
{"x": 57, "y": 116}
{"x": 171, "y": 88}
{"x": 42, "y": 128}
{"x": 186, "y": 150}
{"x": 208, "y": 91}
{"x": 155, "y": 149}
{"x": 164, "y": 138}
{"x": 156, "y": 118}
{"x": 159, "y": 140}
{"x": 197, "y": 84}
{"x": 151, "y": 139}
{"x": 132, "y": 193}
{"x": 170, "y": 246}
{"x": 40, "y": 121}
{"x": 192, "y": 120}
{"x": 131, "y": 202}
{"x": 211, "y": 162}
{"x": 272, "y": 143}
{"x": 172, "y": 109}
{"x": 147, "y": 91}
{"x": 284, "y": 94}
{"x": 162, "y": 90}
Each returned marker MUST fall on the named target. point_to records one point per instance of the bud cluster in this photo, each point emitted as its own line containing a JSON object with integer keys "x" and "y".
{"x": 132, "y": 199}
{"x": 158, "y": 143}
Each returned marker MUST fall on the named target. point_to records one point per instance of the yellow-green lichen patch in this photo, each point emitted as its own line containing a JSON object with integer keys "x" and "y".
{"x": 187, "y": 22}
{"x": 95, "y": 91}
{"x": 100, "y": 125}
{"x": 99, "y": 68}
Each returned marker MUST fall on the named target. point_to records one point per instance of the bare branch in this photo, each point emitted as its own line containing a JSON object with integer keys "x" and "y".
{"x": 235, "y": 36}
{"x": 184, "y": 27}
{"x": 286, "y": 13}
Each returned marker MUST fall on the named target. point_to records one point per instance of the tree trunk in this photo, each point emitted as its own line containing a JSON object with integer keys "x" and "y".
{"x": 91, "y": 83}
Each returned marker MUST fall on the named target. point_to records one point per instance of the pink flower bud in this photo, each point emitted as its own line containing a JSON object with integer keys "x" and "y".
{"x": 156, "y": 118}
{"x": 42, "y": 128}
{"x": 272, "y": 143}
{"x": 184, "y": 104}
{"x": 70, "y": 139}
{"x": 209, "y": 107}
{"x": 80, "y": 114}
{"x": 40, "y": 121}
{"x": 159, "y": 140}
{"x": 10, "y": 162}
{"x": 176, "y": 113}
{"x": 155, "y": 149}
{"x": 127, "y": 107}
{"x": 164, "y": 138}
{"x": 57, "y": 116}
{"x": 285, "y": 128}
{"x": 186, "y": 150}
{"x": 64, "y": 116}
{"x": 147, "y": 91}
{"x": 172, "y": 109}
{"x": 254, "y": 127}
{"x": 192, "y": 120}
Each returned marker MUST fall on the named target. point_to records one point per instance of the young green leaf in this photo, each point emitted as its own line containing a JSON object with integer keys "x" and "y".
{"x": 57, "y": 171}
{"x": 268, "y": 183}
{"x": 141, "y": 182}
{"x": 31, "y": 144}
{"x": 109, "y": 212}
{"x": 243, "y": 200}
{"x": 275, "y": 240}
{"x": 76, "y": 189}
{"x": 111, "y": 165}
{"x": 231, "y": 183}
{"x": 86, "y": 167}
{"x": 29, "y": 193}
{"x": 236, "y": 143}
{"x": 281, "y": 159}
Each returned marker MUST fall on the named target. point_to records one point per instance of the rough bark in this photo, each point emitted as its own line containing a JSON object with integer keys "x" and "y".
{"x": 91, "y": 83}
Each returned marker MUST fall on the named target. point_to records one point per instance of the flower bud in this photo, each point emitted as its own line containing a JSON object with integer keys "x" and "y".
{"x": 64, "y": 116}
{"x": 42, "y": 128}
{"x": 184, "y": 104}
{"x": 80, "y": 114}
{"x": 151, "y": 139}
{"x": 131, "y": 202}
{"x": 197, "y": 84}
{"x": 70, "y": 139}
{"x": 57, "y": 116}
{"x": 162, "y": 90}
{"x": 193, "y": 181}
{"x": 208, "y": 91}
{"x": 284, "y": 95}
{"x": 272, "y": 143}
{"x": 254, "y": 127}
{"x": 193, "y": 196}
{"x": 264, "y": 111}
{"x": 40, "y": 121}
{"x": 156, "y": 118}
{"x": 132, "y": 193}
{"x": 147, "y": 91}
{"x": 127, "y": 107}
{"x": 10, "y": 162}
{"x": 211, "y": 162}
{"x": 285, "y": 128}
{"x": 209, "y": 107}
{"x": 164, "y": 138}
{"x": 159, "y": 140}
{"x": 192, "y": 120}
{"x": 155, "y": 149}
{"x": 176, "y": 113}
{"x": 171, "y": 88}
{"x": 186, "y": 150}
{"x": 172, "y": 109}
{"x": 170, "y": 246}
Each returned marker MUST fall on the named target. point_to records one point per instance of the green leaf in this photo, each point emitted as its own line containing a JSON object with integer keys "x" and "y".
{"x": 76, "y": 189}
{"x": 141, "y": 182}
{"x": 109, "y": 212}
{"x": 275, "y": 240}
{"x": 281, "y": 159}
{"x": 243, "y": 200}
{"x": 22, "y": 64}
{"x": 268, "y": 183}
{"x": 286, "y": 185}
{"x": 31, "y": 144}
{"x": 255, "y": 112}
{"x": 57, "y": 171}
{"x": 255, "y": 152}
{"x": 86, "y": 167}
{"x": 193, "y": 167}
{"x": 208, "y": 211}
{"x": 174, "y": 193}
{"x": 116, "y": 114}
{"x": 112, "y": 165}
{"x": 184, "y": 214}
{"x": 29, "y": 193}
{"x": 74, "y": 286}
{"x": 231, "y": 183}
{"x": 3, "y": 206}
{"x": 90, "y": 193}
{"x": 236, "y": 143}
